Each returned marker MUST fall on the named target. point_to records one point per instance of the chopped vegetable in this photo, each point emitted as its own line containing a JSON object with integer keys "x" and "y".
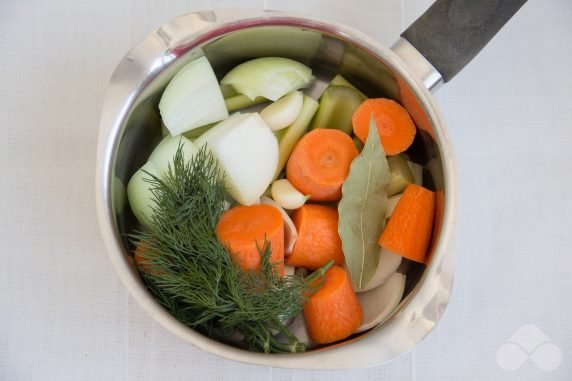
{"x": 362, "y": 210}
{"x": 243, "y": 231}
{"x": 318, "y": 240}
{"x": 268, "y": 77}
{"x": 394, "y": 125}
{"x": 288, "y": 197}
{"x": 138, "y": 189}
{"x": 195, "y": 279}
{"x": 334, "y": 312}
{"x": 379, "y": 303}
{"x": 220, "y": 251}
{"x": 240, "y": 101}
{"x": 337, "y": 106}
{"x": 408, "y": 231}
{"x": 401, "y": 175}
{"x": 290, "y": 136}
{"x": 227, "y": 91}
{"x": 192, "y": 99}
{"x": 284, "y": 111}
{"x": 247, "y": 151}
{"x": 320, "y": 163}
{"x": 387, "y": 265}
{"x": 290, "y": 232}
{"x": 139, "y": 194}
{"x": 162, "y": 156}
{"x": 338, "y": 80}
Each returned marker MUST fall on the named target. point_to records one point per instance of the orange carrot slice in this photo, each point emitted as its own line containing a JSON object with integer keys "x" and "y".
{"x": 333, "y": 312}
{"x": 243, "y": 230}
{"x": 320, "y": 162}
{"x": 408, "y": 231}
{"x": 318, "y": 239}
{"x": 394, "y": 125}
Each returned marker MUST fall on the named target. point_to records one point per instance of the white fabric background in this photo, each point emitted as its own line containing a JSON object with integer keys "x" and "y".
{"x": 64, "y": 315}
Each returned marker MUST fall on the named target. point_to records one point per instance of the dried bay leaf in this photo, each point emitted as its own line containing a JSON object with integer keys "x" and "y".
{"x": 362, "y": 209}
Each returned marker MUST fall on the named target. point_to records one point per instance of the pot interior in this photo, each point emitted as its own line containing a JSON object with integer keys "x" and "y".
{"x": 327, "y": 51}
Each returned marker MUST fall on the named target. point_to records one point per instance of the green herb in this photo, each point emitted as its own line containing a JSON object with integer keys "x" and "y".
{"x": 362, "y": 209}
{"x": 191, "y": 274}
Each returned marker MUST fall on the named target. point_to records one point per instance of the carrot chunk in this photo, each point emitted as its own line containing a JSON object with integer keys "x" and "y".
{"x": 320, "y": 162}
{"x": 408, "y": 231}
{"x": 243, "y": 230}
{"x": 333, "y": 313}
{"x": 318, "y": 239}
{"x": 394, "y": 125}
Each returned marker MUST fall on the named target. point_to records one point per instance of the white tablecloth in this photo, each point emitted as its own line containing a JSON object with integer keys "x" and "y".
{"x": 64, "y": 315}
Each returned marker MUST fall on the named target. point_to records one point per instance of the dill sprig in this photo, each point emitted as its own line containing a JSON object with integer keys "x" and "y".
{"x": 191, "y": 274}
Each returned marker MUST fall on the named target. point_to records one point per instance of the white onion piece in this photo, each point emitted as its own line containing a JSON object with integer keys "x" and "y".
{"x": 138, "y": 190}
{"x": 139, "y": 193}
{"x": 192, "y": 99}
{"x": 380, "y": 302}
{"x": 284, "y": 111}
{"x": 268, "y": 77}
{"x": 163, "y": 155}
{"x": 391, "y": 204}
{"x": 290, "y": 232}
{"x": 247, "y": 152}
{"x": 416, "y": 171}
{"x": 285, "y": 195}
{"x": 387, "y": 265}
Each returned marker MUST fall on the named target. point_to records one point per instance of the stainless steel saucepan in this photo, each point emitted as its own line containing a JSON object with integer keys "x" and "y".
{"x": 430, "y": 52}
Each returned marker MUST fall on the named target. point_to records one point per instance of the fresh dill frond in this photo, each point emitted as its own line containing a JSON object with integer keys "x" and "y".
{"x": 191, "y": 274}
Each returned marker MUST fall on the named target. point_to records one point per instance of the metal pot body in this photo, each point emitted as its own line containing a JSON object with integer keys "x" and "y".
{"x": 130, "y": 128}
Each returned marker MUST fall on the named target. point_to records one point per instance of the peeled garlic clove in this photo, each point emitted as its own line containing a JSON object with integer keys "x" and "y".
{"x": 380, "y": 302}
{"x": 284, "y": 111}
{"x": 387, "y": 265}
{"x": 288, "y": 197}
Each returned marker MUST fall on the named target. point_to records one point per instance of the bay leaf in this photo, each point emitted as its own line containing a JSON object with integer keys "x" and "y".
{"x": 362, "y": 209}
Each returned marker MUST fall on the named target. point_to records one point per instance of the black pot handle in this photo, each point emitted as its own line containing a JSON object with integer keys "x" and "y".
{"x": 452, "y": 32}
